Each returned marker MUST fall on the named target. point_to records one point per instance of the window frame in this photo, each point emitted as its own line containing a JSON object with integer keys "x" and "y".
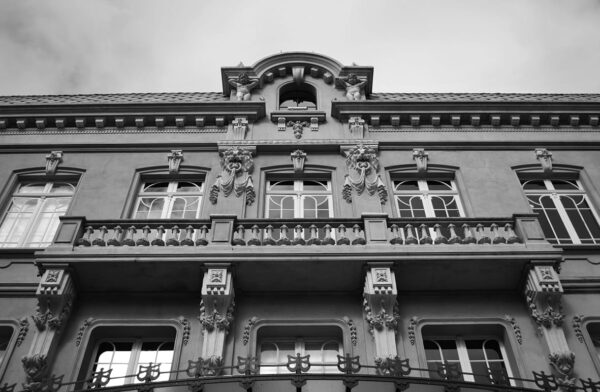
{"x": 13, "y": 190}
{"x": 170, "y": 196}
{"x": 588, "y": 339}
{"x": 290, "y": 87}
{"x": 11, "y": 344}
{"x": 555, "y": 196}
{"x": 425, "y": 194}
{"x": 300, "y": 347}
{"x": 299, "y": 195}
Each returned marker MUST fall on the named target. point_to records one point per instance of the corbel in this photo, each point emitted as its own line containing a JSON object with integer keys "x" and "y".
{"x": 80, "y": 122}
{"x": 415, "y": 120}
{"x": 199, "y": 121}
{"x": 395, "y": 121}
{"x": 475, "y": 120}
{"x": 100, "y": 122}
{"x": 555, "y": 121}
{"x": 594, "y": 121}
{"x": 357, "y": 127}
{"x": 515, "y": 120}
{"x": 220, "y": 121}
{"x": 314, "y": 124}
{"x": 298, "y": 75}
{"x": 119, "y": 122}
{"x": 2, "y": 123}
{"x": 455, "y": 120}
{"x": 574, "y": 120}
{"x": 40, "y": 123}
{"x": 269, "y": 77}
{"x": 495, "y": 120}
{"x": 328, "y": 77}
{"x": 314, "y": 72}
{"x": 281, "y": 126}
{"x": 281, "y": 71}
{"x": 52, "y": 161}
{"x": 545, "y": 158}
{"x": 139, "y": 122}
{"x": 420, "y": 157}
{"x": 436, "y": 120}
{"x": 21, "y": 123}
{"x": 59, "y": 123}
{"x": 159, "y": 122}
{"x": 375, "y": 121}
{"x": 174, "y": 158}
{"x": 298, "y": 157}
{"x": 535, "y": 120}
{"x": 239, "y": 126}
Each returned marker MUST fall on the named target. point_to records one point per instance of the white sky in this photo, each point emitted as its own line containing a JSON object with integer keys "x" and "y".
{"x": 101, "y": 46}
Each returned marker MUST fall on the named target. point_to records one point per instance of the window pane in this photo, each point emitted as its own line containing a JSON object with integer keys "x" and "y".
{"x": 475, "y": 349}
{"x": 282, "y": 185}
{"x": 534, "y": 185}
{"x": 492, "y": 350}
{"x": 480, "y": 372}
{"x": 311, "y": 186}
{"x": 47, "y": 220}
{"x": 316, "y": 206}
{"x": 185, "y": 187}
{"x": 150, "y": 208}
{"x": 565, "y": 185}
{"x": 157, "y": 187}
{"x": 407, "y": 185}
{"x": 62, "y": 187}
{"x": 281, "y": 207}
{"x": 439, "y": 185}
{"x": 31, "y": 188}
{"x": 17, "y": 220}
{"x": 432, "y": 350}
{"x": 185, "y": 207}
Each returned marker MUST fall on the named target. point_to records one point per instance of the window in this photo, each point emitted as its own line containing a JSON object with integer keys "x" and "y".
{"x": 565, "y": 212}
{"x": 297, "y": 97}
{"x": 5, "y": 336}
{"x": 323, "y": 344}
{"x": 416, "y": 198}
{"x": 173, "y": 199}
{"x": 32, "y": 216}
{"x": 125, "y": 356}
{"x": 299, "y": 199}
{"x": 482, "y": 357}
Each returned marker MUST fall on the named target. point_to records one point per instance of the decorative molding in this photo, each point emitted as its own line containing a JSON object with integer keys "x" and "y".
{"x": 378, "y": 320}
{"x": 314, "y": 124}
{"x": 55, "y": 294}
{"x": 420, "y": 157}
{"x": 352, "y": 327}
{"x": 298, "y": 127}
{"x": 239, "y": 127}
{"x": 243, "y": 86}
{"x": 298, "y": 157}
{"x": 357, "y": 127}
{"x": 52, "y": 161}
{"x": 362, "y": 161}
{"x": 562, "y": 364}
{"x": 185, "y": 323}
{"x": 236, "y": 163}
{"x": 412, "y": 329}
{"x": 174, "y": 158}
{"x": 281, "y": 126}
{"x": 36, "y": 375}
{"x": 515, "y": 327}
{"x": 86, "y": 323}
{"x": 216, "y": 319}
{"x": 577, "y": 325}
{"x": 298, "y": 75}
{"x": 23, "y": 329}
{"x": 545, "y": 158}
{"x": 247, "y": 329}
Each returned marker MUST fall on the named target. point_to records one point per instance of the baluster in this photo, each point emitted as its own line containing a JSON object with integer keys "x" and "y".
{"x": 128, "y": 241}
{"x": 158, "y": 241}
{"x": 468, "y": 239}
{"x": 314, "y": 236}
{"x": 358, "y": 238}
{"x": 202, "y": 240}
{"x": 283, "y": 236}
{"x": 327, "y": 240}
{"x": 100, "y": 240}
{"x": 482, "y": 238}
{"x": 173, "y": 240}
{"x": 298, "y": 240}
{"x": 143, "y": 240}
{"x": 117, "y": 234}
{"x": 86, "y": 240}
{"x": 397, "y": 239}
{"x": 342, "y": 239}
{"x": 410, "y": 237}
{"x": 255, "y": 232}
{"x": 425, "y": 237}
{"x": 498, "y": 239}
{"x": 509, "y": 233}
{"x": 439, "y": 237}
{"x": 189, "y": 234}
{"x": 239, "y": 239}
{"x": 454, "y": 239}
{"x": 268, "y": 239}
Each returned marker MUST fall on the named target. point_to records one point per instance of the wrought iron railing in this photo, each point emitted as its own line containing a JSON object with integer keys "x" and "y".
{"x": 350, "y": 371}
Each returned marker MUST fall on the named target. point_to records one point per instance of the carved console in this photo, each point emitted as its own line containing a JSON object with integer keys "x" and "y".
{"x": 381, "y": 309}
{"x": 55, "y": 295}
{"x": 543, "y": 293}
{"x": 216, "y": 310}
{"x": 362, "y": 164}
{"x": 236, "y": 163}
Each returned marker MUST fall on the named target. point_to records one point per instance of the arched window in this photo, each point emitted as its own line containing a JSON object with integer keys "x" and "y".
{"x": 427, "y": 197}
{"x": 169, "y": 199}
{"x": 297, "y": 97}
{"x": 288, "y": 199}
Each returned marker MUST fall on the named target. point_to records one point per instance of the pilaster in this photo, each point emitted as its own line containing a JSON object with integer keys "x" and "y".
{"x": 543, "y": 293}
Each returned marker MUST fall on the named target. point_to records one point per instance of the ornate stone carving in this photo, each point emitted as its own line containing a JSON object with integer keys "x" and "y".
{"x": 239, "y": 127}
{"x": 314, "y": 124}
{"x": 174, "y": 159}
{"x": 545, "y": 158}
{"x": 352, "y": 327}
{"x": 354, "y": 87}
{"x": 357, "y": 127}
{"x": 298, "y": 75}
{"x": 515, "y": 327}
{"x": 362, "y": 161}
{"x": 216, "y": 319}
{"x": 243, "y": 86}
{"x": 297, "y": 127}
{"x": 562, "y": 364}
{"x": 37, "y": 380}
{"x": 236, "y": 163}
{"x": 298, "y": 157}
{"x": 377, "y": 320}
{"x": 55, "y": 299}
{"x": 86, "y": 323}
{"x": 185, "y": 336}
{"x": 421, "y": 158}
{"x": 23, "y": 329}
{"x": 52, "y": 161}
{"x": 412, "y": 329}
{"x": 577, "y": 321}
{"x": 247, "y": 329}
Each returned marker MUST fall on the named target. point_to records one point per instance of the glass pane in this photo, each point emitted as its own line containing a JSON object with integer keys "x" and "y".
{"x": 16, "y": 221}
{"x": 45, "y": 226}
{"x": 156, "y": 187}
{"x": 311, "y": 186}
{"x": 449, "y": 351}
{"x": 406, "y": 185}
{"x": 61, "y": 187}
{"x": 475, "y": 349}
{"x": 31, "y": 188}
{"x": 432, "y": 350}
{"x": 565, "y": 185}
{"x": 316, "y": 206}
{"x": 281, "y": 207}
{"x": 268, "y": 356}
{"x": 185, "y": 207}
{"x": 480, "y": 372}
{"x": 281, "y": 186}
{"x": 416, "y": 204}
{"x": 534, "y": 185}
{"x": 492, "y": 350}
{"x": 150, "y": 208}
{"x": 575, "y": 205}
{"x": 314, "y": 350}
{"x": 185, "y": 187}
{"x": 439, "y": 185}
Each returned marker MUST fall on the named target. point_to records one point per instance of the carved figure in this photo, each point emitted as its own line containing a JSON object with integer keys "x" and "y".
{"x": 354, "y": 87}
{"x": 243, "y": 86}
{"x": 362, "y": 160}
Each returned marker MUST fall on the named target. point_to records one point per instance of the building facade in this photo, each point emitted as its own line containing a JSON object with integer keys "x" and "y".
{"x": 298, "y": 231}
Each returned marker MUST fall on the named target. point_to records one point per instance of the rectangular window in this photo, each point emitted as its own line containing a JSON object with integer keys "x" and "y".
{"x": 5, "y": 336}
{"x": 566, "y": 214}
{"x": 481, "y": 359}
{"x": 427, "y": 199}
{"x": 169, "y": 200}
{"x": 289, "y": 199}
{"x": 32, "y": 216}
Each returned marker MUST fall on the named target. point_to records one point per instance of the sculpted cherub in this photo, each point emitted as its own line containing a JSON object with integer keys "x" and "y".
{"x": 243, "y": 86}
{"x": 354, "y": 86}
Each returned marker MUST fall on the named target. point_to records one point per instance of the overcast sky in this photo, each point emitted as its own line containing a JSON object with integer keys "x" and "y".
{"x": 101, "y": 46}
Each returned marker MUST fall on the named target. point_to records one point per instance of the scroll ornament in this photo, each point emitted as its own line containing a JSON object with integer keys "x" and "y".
{"x": 362, "y": 161}
{"x": 236, "y": 163}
